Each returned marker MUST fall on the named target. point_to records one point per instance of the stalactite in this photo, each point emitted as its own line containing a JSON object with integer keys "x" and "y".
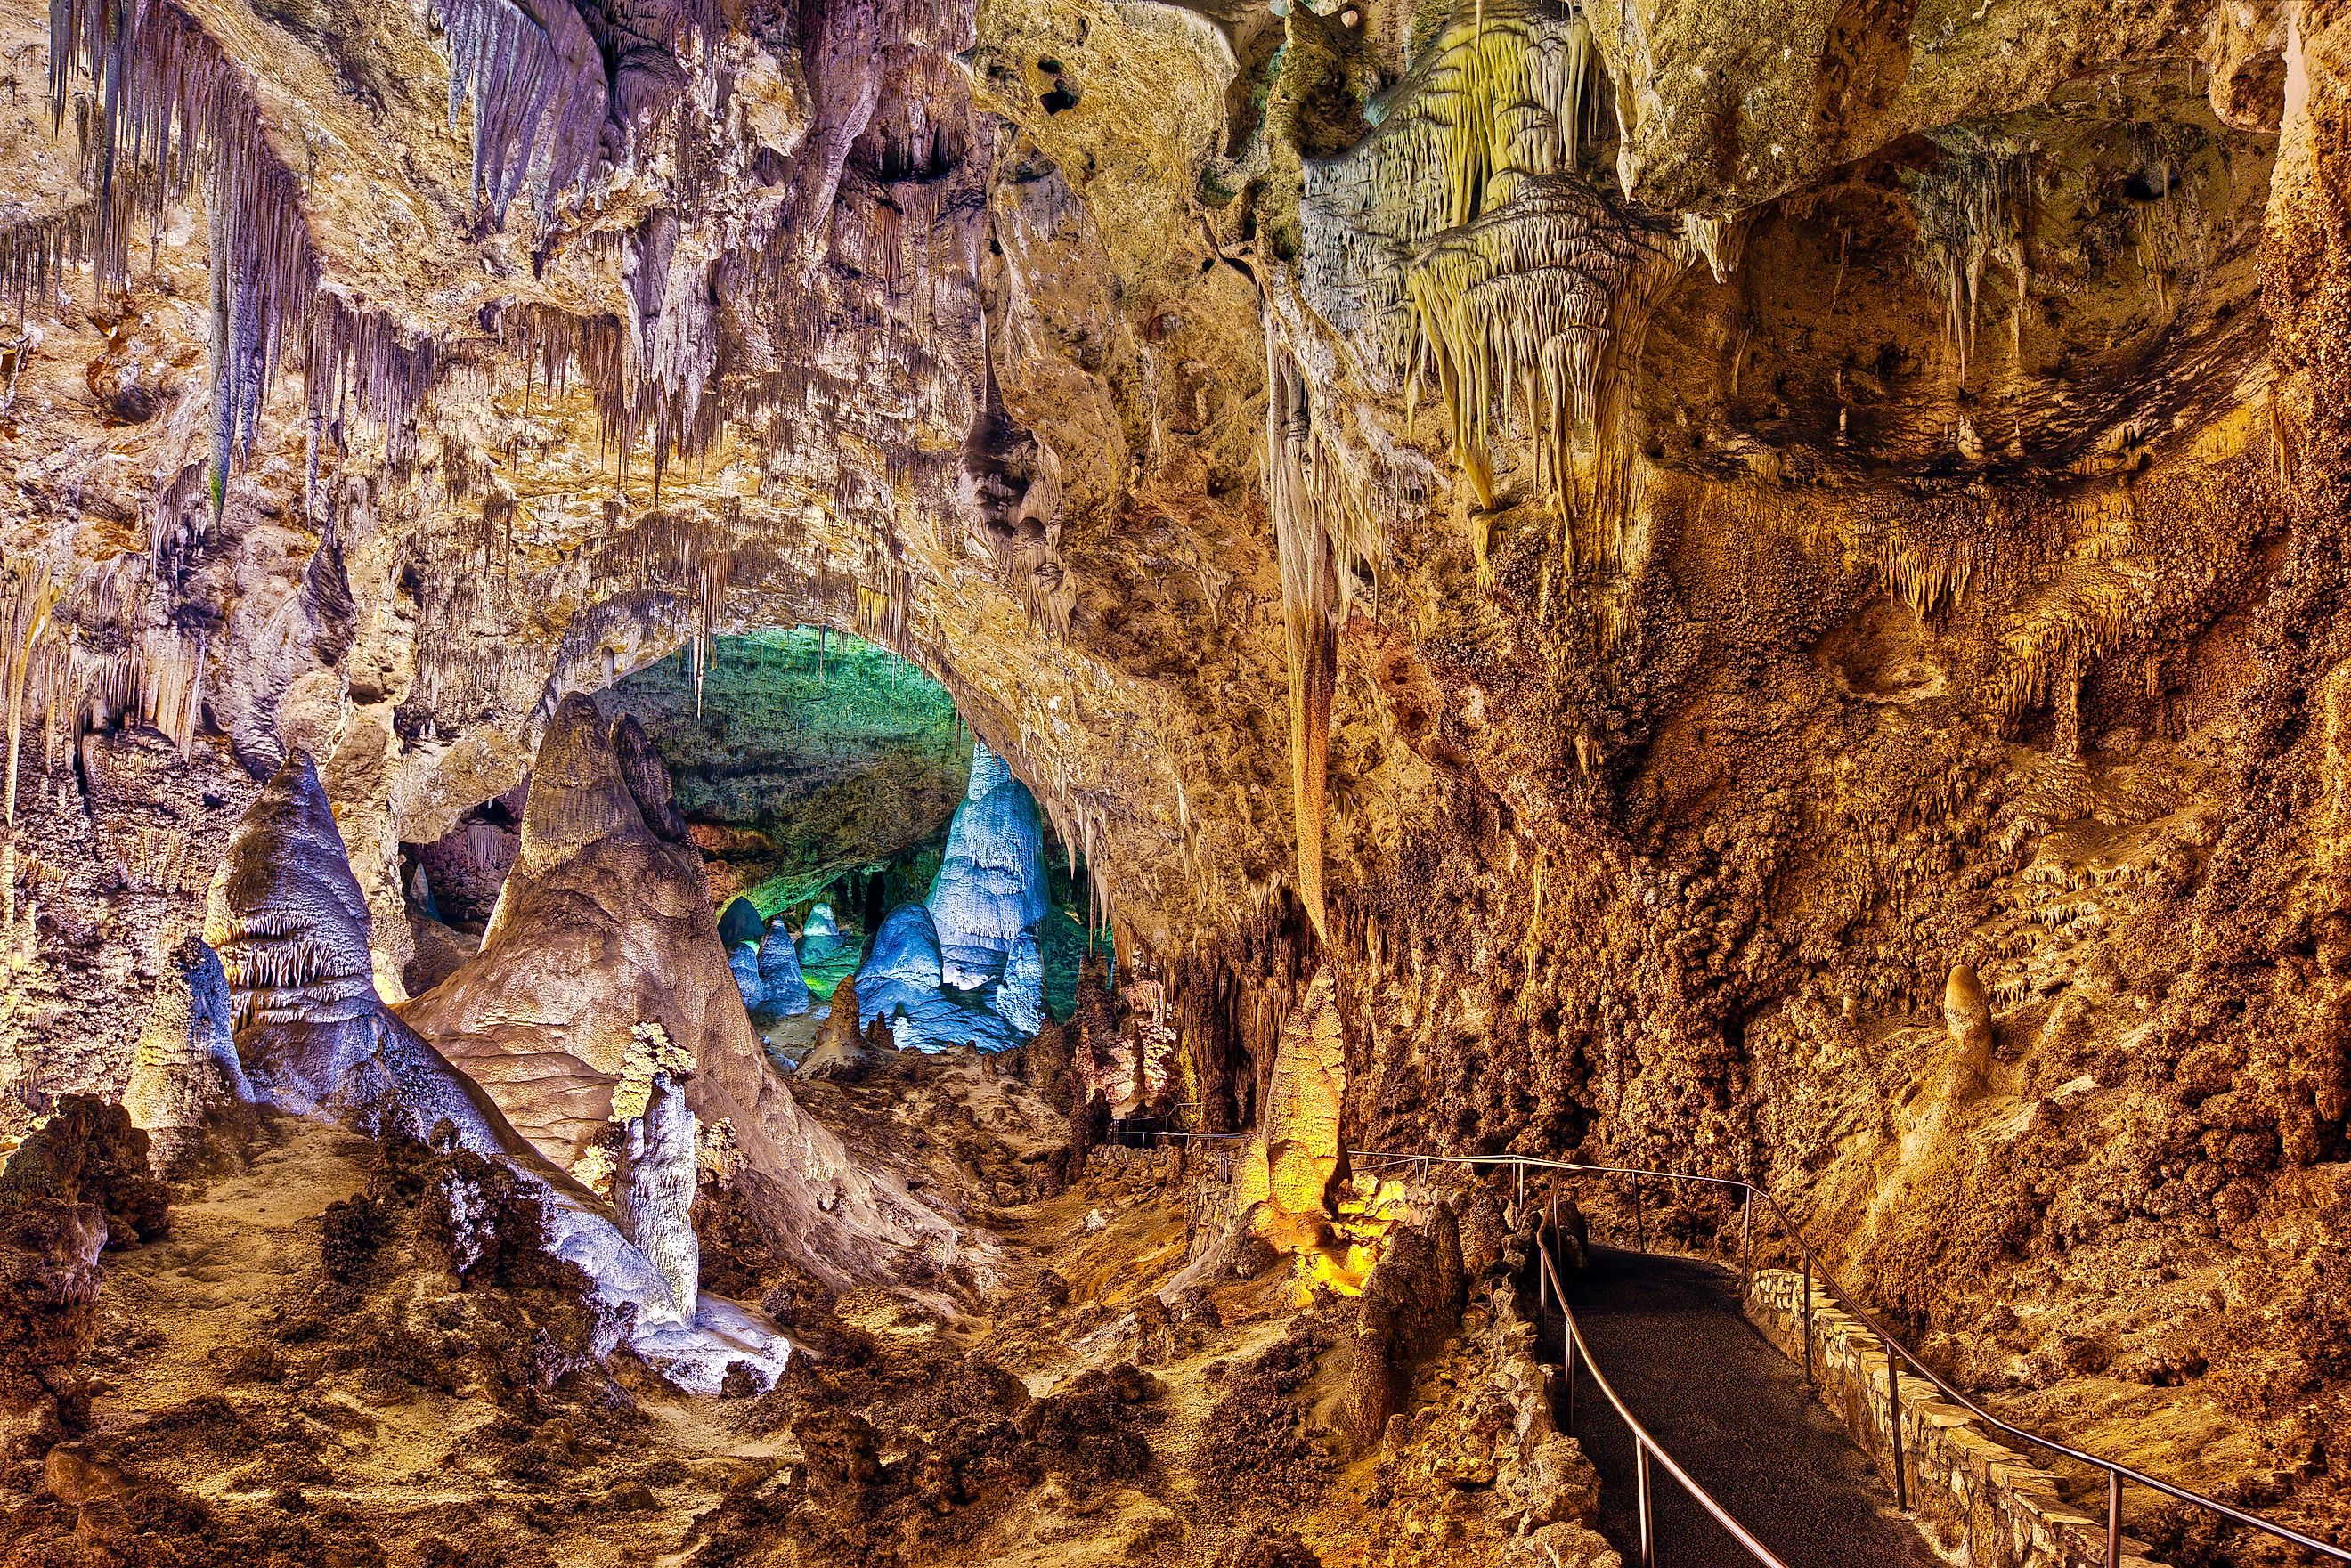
{"x": 1970, "y": 211}
{"x": 635, "y": 406}
{"x": 685, "y": 555}
{"x": 1537, "y": 308}
{"x": 170, "y": 678}
{"x": 171, "y": 100}
{"x": 1310, "y": 607}
{"x": 1716, "y": 241}
{"x": 1501, "y": 98}
{"x": 2169, "y": 231}
{"x": 35, "y": 252}
{"x": 540, "y": 99}
{"x": 1461, "y": 240}
{"x": 32, "y": 597}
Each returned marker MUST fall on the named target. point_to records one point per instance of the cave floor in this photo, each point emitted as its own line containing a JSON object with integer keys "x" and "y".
{"x": 1668, "y": 1335}
{"x": 389, "y": 1421}
{"x": 217, "y": 1371}
{"x": 385, "y": 1415}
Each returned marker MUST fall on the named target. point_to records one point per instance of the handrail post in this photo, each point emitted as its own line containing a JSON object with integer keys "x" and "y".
{"x": 1747, "y": 1241}
{"x": 1640, "y": 1240}
{"x": 1568, "y": 1334}
{"x": 1523, "y": 1187}
{"x": 1649, "y": 1529}
{"x": 1543, "y": 1282}
{"x": 2113, "y": 1518}
{"x": 1808, "y": 1309}
{"x": 1893, "y": 1407}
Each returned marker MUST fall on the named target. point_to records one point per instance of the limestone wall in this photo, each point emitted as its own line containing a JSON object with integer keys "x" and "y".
{"x": 1983, "y": 1505}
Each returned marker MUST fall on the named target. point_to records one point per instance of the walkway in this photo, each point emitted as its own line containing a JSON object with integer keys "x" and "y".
{"x": 1734, "y": 1413}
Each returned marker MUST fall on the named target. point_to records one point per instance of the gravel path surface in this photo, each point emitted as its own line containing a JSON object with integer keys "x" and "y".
{"x": 1734, "y": 1413}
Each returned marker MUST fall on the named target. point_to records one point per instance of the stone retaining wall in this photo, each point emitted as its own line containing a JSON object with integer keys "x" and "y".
{"x": 1983, "y": 1505}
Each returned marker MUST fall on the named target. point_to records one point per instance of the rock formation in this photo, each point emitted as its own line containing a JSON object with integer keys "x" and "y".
{"x": 990, "y": 890}
{"x": 844, "y": 1049}
{"x": 1046, "y": 1064}
{"x": 290, "y": 926}
{"x": 820, "y": 937}
{"x": 654, "y": 1180}
{"x": 1295, "y": 1151}
{"x": 743, "y": 961}
{"x": 739, "y": 925}
{"x": 1410, "y": 1303}
{"x": 1967, "y": 1017}
{"x": 1544, "y": 567}
{"x": 49, "y": 1294}
{"x": 187, "y": 1082}
{"x": 903, "y": 985}
{"x": 1019, "y": 993}
{"x": 78, "y": 1185}
{"x": 1096, "y": 1061}
{"x": 782, "y": 991}
{"x": 604, "y": 925}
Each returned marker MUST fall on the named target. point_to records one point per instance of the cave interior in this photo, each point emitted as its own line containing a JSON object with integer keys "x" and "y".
{"x": 952, "y": 782}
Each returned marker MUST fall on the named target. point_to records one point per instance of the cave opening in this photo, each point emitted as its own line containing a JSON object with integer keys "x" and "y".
{"x": 846, "y": 814}
{"x": 819, "y": 778}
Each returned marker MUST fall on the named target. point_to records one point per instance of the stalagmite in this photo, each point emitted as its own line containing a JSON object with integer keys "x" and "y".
{"x": 840, "y": 1050}
{"x": 1967, "y": 1016}
{"x": 604, "y": 926}
{"x": 820, "y": 937}
{"x": 783, "y": 992}
{"x": 743, "y": 958}
{"x": 990, "y": 888}
{"x": 653, "y": 1182}
{"x": 1300, "y": 1130}
{"x": 1020, "y": 995}
{"x": 903, "y": 985}
{"x": 290, "y": 924}
{"x": 187, "y": 1079}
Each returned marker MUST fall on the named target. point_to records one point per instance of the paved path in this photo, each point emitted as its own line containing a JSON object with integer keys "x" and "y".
{"x": 1734, "y": 1413}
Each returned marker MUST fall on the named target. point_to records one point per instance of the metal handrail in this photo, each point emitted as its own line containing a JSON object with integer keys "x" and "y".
{"x": 1644, "y": 1445}
{"x": 1120, "y": 1136}
{"x": 2117, "y": 1473}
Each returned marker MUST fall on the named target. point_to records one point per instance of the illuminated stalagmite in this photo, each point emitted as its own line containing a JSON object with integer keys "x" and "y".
{"x": 991, "y": 884}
